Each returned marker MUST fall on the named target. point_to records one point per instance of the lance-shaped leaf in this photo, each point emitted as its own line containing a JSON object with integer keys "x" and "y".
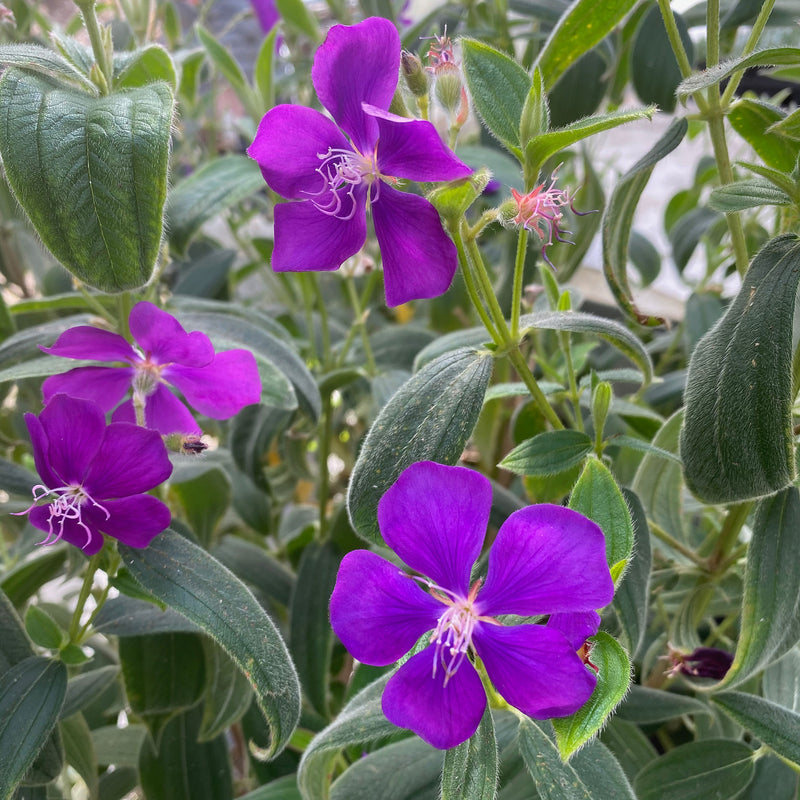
{"x": 772, "y": 56}
{"x": 470, "y": 770}
{"x": 737, "y": 440}
{"x": 747, "y": 194}
{"x": 585, "y": 24}
{"x": 499, "y": 87}
{"x": 39, "y": 59}
{"x": 770, "y": 623}
{"x": 31, "y": 695}
{"x": 430, "y": 417}
{"x": 618, "y": 220}
{"x": 188, "y": 579}
{"x": 91, "y": 173}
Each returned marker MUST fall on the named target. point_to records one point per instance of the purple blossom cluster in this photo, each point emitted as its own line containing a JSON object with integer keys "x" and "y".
{"x": 96, "y": 475}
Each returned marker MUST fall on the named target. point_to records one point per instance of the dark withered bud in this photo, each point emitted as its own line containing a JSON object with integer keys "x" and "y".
{"x": 703, "y": 662}
{"x": 414, "y": 73}
{"x": 189, "y": 444}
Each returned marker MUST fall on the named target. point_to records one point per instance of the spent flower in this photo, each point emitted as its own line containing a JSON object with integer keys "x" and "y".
{"x": 95, "y": 477}
{"x": 216, "y": 384}
{"x": 545, "y": 560}
{"x": 331, "y": 171}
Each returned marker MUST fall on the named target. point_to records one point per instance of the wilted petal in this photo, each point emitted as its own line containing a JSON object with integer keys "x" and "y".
{"x": 90, "y": 541}
{"x": 357, "y": 64}
{"x": 546, "y": 559}
{"x": 444, "y": 716}
{"x": 221, "y": 389}
{"x": 289, "y": 146}
{"x": 412, "y": 149}
{"x": 135, "y": 521}
{"x": 434, "y": 517}
{"x": 307, "y": 239}
{"x": 535, "y": 669}
{"x": 95, "y": 344}
{"x": 129, "y": 460}
{"x": 577, "y": 626}
{"x": 105, "y": 386}
{"x": 378, "y": 611}
{"x": 74, "y": 429}
{"x": 161, "y": 335}
{"x": 419, "y": 259}
{"x": 163, "y": 412}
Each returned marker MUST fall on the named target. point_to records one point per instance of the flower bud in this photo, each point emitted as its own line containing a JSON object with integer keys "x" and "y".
{"x": 449, "y": 87}
{"x": 414, "y": 73}
{"x": 601, "y": 402}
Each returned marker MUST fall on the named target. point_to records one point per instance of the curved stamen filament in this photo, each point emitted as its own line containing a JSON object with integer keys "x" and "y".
{"x": 342, "y": 170}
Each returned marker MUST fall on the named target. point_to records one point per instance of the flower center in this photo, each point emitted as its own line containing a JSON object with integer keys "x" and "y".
{"x": 67, "y": 504}
{"x": 343, "y": 170}
{"x": 146, "y": 377}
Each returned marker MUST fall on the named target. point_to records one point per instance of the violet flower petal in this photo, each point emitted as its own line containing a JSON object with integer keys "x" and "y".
{"x": 444, "y": 716}
{"x": 434, "y": 517}
{"x": 289, "y": 146}
{"x": 577, "y": 626}
{"x": 534, "y": 668}
{"x": 355, "y": 64}
{"x": 378, "y": 611}
{"x": 163, "y": 412}
{"x": 546, "y": 559}
{"x": 161, "y": 335}
{"x": 41, "y": 448}
{"x": 90, "y": 542}
{"x": 134, "y": 520}
{"x": 105, "y": 386}
{"x": 74, "y": 430}
{"x": 129, "y": 460}
{"x": 223, "y": 388}
{"x": 85, "y": 341}
{"x": 411, "y": 148}
{"x": 267, "y": 13}
{"x": 419, "y": 259}
{"x": 308, "y": 239}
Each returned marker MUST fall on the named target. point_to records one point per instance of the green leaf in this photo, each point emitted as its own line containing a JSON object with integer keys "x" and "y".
{"x": 227, "y": 694}
{"x": 633, "y": 592}
{"x": 310, "y": 636}
{"x": 584, "y": 25}
{"x": 284, "y": 788}
{"x": 536, "y": 112}
{"x": 629, "y": 744}
{"x": 613, "y": 680}
{"x": 31, "y": 695}
{"x": 599, "y": 769}
{"x": 359, "y": 722}
{"x": 91, "y": 173}
{"x": 618, "y": 220}
{"x": 264, "y": 70}
{"x": 43, "y": 629}
{"x": 752, "y": 120}
{"x": 191, "y": 581}
{"x": 46, "y": 62}
{"x": 779, "y": 683}
{"x": 580, "y": 90}
{"x": 713, "y": 75}
{"x": 654, "y": 69}
{"x": 183, "y": 768}
{"x": 646, "y": 706}
{"x": 597, "y": 496}
{"x": 747, "y": 194}
{"x": 499, "y": 87}
{"x": 540, "y": 148}
{"x": 86, "y": 687}
{"x": 697, "y": 771}
{"x": 548, "y": 453}
{"x": 407, "y": 770}
{"x": 686, "y": 233}
{"x": 430, "y": 417}
{"x": 27, "y": 577}
{"x": 40, "y": 368}
{"x": 119, "y": 746}
{"x": 205, "y": 499}
{"x": 737, "y": 441}
{"x": 143, "y": 66}
{"x": 470, "y": 771}
{"x": 581, "y": 322}
{"x": 788, "y": 126}
{"x": 554, "y": 780}
{"x": 214, "y": 188}
{"x": 296, "y": 15}
{"x": 771, "y": 600}
{"x": 79, "y": 751}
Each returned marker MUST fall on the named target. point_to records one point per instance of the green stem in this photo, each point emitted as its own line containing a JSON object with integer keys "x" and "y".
{"x": 326, "y": 431}
{"x": 86, "y": 588}
{"x": 750, "y": 45}
{"x": 712, "y": 33}
{"x": 521, "y": 365}
{"x": 675, "y": 38}
{"x": 360, "y": 323}
{"x": 519, "y": 272}
{"x": 731, "y": 528}
{"x": 566, "y": 347}
{"x": 324, "y": 324}
{"x": 670, "y": 540}
{"x": 472, "y": 289}
{"x": 86, "y": 7}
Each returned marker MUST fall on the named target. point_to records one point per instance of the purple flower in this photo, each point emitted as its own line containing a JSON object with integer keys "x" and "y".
{"x": 267, "y": 13}
{"x": 217, "y": 385}
{"x": 331, "y": 172}
{"x": 546, "y": 559}
{"x": 95, "y": 476}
